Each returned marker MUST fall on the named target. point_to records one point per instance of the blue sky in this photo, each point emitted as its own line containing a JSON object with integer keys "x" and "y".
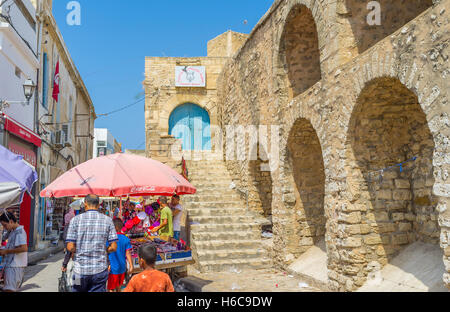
{"x": 110, "y": 46}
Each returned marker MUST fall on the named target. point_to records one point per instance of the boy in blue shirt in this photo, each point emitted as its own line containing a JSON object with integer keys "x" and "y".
{"x": 118, "y": 260}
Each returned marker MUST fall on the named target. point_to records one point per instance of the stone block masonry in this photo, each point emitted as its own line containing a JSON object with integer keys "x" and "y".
{"x": 351, "y": 99}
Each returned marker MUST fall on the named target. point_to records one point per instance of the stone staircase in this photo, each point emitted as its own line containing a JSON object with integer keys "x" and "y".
{"x": 224, "y": 234}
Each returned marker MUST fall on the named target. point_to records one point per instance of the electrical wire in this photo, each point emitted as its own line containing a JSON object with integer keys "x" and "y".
{"x": 99, "y": 115}
{"x": 7, "y": 18}
{"x": 140, "y": 145}
{"x": 3, "y": 2}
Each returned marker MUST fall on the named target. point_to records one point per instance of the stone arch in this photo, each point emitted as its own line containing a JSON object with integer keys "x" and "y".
{"x": 389, "y": 209}
{"x": 261, "y": 182}
{"x": 394, "y": 14}
{"x": 305, "y": 168}
{"x": 195, "y": 140}
{"x": 299, "y": 56}
{"x": 178, "y": 100}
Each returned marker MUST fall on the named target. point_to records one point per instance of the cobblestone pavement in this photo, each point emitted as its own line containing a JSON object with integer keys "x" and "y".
{"x": 43, "y": 277}
{"x": 268, "y": 280}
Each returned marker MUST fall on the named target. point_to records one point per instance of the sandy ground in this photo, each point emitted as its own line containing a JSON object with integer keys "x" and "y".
{"x": 268, "y": 280}
{"x": 43, "y": 277}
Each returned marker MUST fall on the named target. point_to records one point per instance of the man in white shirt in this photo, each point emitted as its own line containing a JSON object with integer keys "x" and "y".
{"x": 177, "y": 211}
{"x": 15, "y": 256}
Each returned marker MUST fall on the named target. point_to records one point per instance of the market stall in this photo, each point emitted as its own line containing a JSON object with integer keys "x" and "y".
{"x": 170, "y": 255}
{"x": 140, "y": 219}
{"x": 123, "y": 175}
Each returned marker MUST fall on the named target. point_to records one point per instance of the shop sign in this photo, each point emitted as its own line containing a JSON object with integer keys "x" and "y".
{"x": 21, "y": 131}
{"x": 28, "y": 155}
{"x": 190, "y": 76}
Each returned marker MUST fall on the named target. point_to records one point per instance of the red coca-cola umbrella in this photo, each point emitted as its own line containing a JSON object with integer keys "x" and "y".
{"x": 119, "y": 175}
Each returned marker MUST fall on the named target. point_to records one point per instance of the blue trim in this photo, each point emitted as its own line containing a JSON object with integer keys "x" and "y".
{"x": 191, "y": 123}
{"x": 45, "y": 81}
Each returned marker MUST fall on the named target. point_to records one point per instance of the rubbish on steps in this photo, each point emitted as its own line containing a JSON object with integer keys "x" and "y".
{"x": 232, "y": 185}
{"x": 267, "y": 234}
{"x": 233, "y": 269}
{"x": 235, "y": 286}
{"x": 303, "y": 285}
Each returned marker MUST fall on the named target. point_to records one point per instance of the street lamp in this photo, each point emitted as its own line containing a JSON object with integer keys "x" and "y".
{"x": 28, "y": 90}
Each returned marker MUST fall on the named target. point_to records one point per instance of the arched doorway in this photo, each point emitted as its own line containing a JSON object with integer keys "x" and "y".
{"x": 392, "y": 14}
{"x": 299, "y": 51}
{"x": 390, "y": 154}
{"x": 191, "y": 123}
{"x": 306, "y": 160}
{"x": 261, "y": 185}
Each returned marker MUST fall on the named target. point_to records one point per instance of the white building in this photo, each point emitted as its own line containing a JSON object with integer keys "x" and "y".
{"x": 104, "y": 143}
{"x": 19, "y": 61}
{"x": 18, "y": 58}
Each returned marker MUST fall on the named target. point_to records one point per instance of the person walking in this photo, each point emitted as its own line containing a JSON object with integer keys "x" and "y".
{"x": 68, "y": 255}
{"x": 15, "y": 256}
{"x": 118, "y": 260}
{"x": 87, "y": 238}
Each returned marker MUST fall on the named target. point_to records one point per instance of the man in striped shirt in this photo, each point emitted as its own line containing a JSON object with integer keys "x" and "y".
{"x": 87, "y": 238}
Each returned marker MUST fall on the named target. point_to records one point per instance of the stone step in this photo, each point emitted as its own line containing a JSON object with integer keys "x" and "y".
{"x": 208, "y": 197}
{"x": 227, "y": 219}
{"x": 209, "y": 205}
{"x": 224, "y": 245}
{"x": 208, "y": 167}
{"x": 219, "y": 191}
{"x": 230, "y": 254}
{"x": 197, "y": 228}
{"x": 216, "y": 212}
{"x": 224, "y": 184}
{"x": 233, "y": 264}
{"x": 205, "y": 164}
{"x": 226, "y": 235}
{"x": 219, "y": 180}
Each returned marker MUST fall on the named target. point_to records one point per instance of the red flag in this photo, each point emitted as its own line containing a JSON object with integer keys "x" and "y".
{"x": 56, "y": 83}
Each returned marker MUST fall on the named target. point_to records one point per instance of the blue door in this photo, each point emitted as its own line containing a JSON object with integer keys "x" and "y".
{"x": 191, "y": 124}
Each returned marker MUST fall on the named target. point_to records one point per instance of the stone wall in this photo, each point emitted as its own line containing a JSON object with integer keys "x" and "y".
{"x": 162, "y": 97}
{"x": 226, "y": 44}
{"x": 381, "y": 98}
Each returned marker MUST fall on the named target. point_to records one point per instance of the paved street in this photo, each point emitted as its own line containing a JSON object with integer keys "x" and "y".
{"x": 43, "y": 277}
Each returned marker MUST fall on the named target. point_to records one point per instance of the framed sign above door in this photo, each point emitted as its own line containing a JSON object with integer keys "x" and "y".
{"x": 190, "y": 76}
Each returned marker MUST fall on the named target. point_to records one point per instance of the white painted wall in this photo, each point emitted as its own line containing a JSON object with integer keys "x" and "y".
{"x": 103, "y": 135}
{"x": 15, "y": 53}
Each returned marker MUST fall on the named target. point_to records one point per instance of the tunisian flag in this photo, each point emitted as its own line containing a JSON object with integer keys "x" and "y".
{"x": 56, "y": 83}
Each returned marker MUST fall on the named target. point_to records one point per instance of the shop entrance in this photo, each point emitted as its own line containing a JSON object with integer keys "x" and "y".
{"x": 191, "y": 123}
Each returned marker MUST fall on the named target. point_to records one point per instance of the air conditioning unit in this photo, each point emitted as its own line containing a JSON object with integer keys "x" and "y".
{"x": 58, "y": 138}
{"x": 67, "y": 138}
